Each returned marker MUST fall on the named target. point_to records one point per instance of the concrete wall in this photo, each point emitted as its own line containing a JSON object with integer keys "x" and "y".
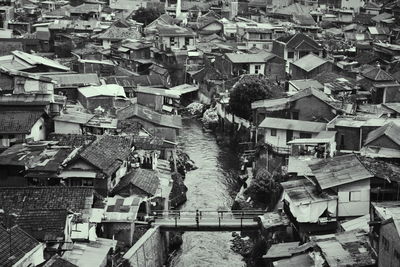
{"x": 38, "y": 131}
{"x": 63, "y": 127}
{"x": 149, "y": 251}
{"x": 280, "y": 139}
{"x": 386, "y": 256}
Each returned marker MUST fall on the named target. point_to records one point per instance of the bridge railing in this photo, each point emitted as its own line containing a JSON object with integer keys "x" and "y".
{"x": 223, "y": 214}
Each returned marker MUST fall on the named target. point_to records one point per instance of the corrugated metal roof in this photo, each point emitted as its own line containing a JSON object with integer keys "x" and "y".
{"x": 103, "y": 90}
{"x": 339, "y": 171}
{"x": 295, "y": 125}
{"x": 309, "y": 62}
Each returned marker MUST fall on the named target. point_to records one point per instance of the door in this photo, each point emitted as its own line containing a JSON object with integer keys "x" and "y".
{"x": 289, "y": 135}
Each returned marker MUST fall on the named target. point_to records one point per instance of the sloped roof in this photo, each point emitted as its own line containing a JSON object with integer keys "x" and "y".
{"x": 382, "y": 16}
{"x": 146, "y": 180}
{"x": 293, "y": 41}
{"x": 117, "y": 33}
{"x": 108, "y": 152}
{"x": 112, "y": 90}
{"x": 339, "y": 171}
{"x": 72, "y": 140}
{"x": 174, "y": 30}
{"x": 249, "y": 58}
{"x": 38, "y": 60}
{"x": 309, "y": 62}
{"x": 74, "y": 79}
{"x": 350, "y": 248}
{"x": 22, "y": 243}
{"x": 311, "y": 92}
{"x": 304, "y": 19}
{"x": 150, "y": 115}
{"x": 57, "y": 261}
{"x": 366, "y": 58}
{"x": 377, "y": 74}
{"x": 391, "y": 130}
{"x": 306, "y": 83}
{"x": 293, "y": 9}
{"x": 295, "y": 125}
{"x": 18, "y": 122}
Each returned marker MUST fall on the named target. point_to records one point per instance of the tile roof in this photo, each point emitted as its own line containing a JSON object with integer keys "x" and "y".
{"x": 115, "y": 33}
{"x": 363, "y": 18}
{"x": 146, "y": 180}
{"x": 142, "y": 112}
{"x": 57, "y": 261}
{"x": 366, "y": 58}
{"x": 147, "y": 142}
{"x": 43, "y": 225}
{"x": 311, "y": 92}
{"x": 21, "y": 244}
{"x": 46, "y": 198}
{"x": 377, "y": 74}
{"x": 390, "y": 130}
{"x": 108, "y": 152}
{"x": 73, "y": 140}
{"x": 124, "y": 81}
{"x": 339, "y": 170}
{"x": 382, "y": 16}
{"x": 295, "y": 125}
{"x": 18, "y": 122}
{"x": 309, "y": 62}
{"x": 293, "y": 41}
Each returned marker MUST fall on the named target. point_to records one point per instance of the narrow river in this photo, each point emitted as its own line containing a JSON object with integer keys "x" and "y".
{"x": 206, "y": 191}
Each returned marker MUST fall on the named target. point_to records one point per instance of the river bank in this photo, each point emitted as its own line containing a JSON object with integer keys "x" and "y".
{"x": 207, "y": 190}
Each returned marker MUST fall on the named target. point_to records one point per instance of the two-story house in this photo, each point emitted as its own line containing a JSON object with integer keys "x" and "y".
{"x": 173, "y": 37}
{"x": 266, "y": 63}
{"x": 101, "y": 164}
{"x": 294, "y": 47}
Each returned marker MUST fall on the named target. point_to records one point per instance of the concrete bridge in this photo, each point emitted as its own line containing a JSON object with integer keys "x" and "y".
{"x": 175, "y": 220}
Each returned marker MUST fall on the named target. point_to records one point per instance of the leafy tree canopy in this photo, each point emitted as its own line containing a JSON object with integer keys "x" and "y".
{"x": 248, "y": 89}
{"x": 146, "y": 15}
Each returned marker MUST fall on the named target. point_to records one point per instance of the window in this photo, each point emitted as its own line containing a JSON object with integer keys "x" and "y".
{"x": 305, "y": 135}
{"x": 295, "y": 115}
{"x": 355, "y": 196}
{"x": 87, "y": 182}
{"x": 273, "y": 132}
{"x": 385, "y": 243}
{"x": 41, "y": 127}
{"x": 257, "y": 69}
{"x": 10, "y": 136}
{"x": 290, "y": 54}
{"x": 172, "y": 41}
{"x": 187, "y": 41}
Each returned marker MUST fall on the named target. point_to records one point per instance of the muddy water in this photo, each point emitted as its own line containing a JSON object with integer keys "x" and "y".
{"x": 206, "y": 191}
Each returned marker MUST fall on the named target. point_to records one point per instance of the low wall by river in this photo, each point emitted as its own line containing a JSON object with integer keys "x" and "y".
{"x": 149, "y": 251}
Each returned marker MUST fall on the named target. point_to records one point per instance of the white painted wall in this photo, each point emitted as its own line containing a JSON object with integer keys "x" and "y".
{"x": 38, "y": 131}
{"x": 252, "y": 68}
{"x": 62, "y": 127}
{"x": 349, "y": 208}
{"x": 352, "y": 4}
{"x": 280, "y": 139}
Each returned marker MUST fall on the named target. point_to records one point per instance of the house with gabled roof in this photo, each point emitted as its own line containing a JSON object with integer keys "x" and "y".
{"x": 101, "y": 164}
{"x": 266, "y": 63}
{"x": 21, "y": 126}
{"x": 349, "y": 179}
{"x": 18, "y": 248}
{"x": 294, "y": 47}
{"x": 387, "y": 136}
{"x": 309, "y": 67}
{"x": 49, "y": 214}
{"x": 139, "y": 182}
{"x": 383, "y": 87}
{"x": 307, "y": 105}
{"x": 116, "y": 34}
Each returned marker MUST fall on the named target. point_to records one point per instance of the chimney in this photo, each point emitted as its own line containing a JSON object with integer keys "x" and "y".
{"x": 178, "y": 8}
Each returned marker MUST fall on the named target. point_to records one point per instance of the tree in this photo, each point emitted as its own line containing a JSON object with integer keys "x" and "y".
{"x": 265, "y": 188}
{"x": 146, "y": 15}
{"x": 248, "y": 89}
